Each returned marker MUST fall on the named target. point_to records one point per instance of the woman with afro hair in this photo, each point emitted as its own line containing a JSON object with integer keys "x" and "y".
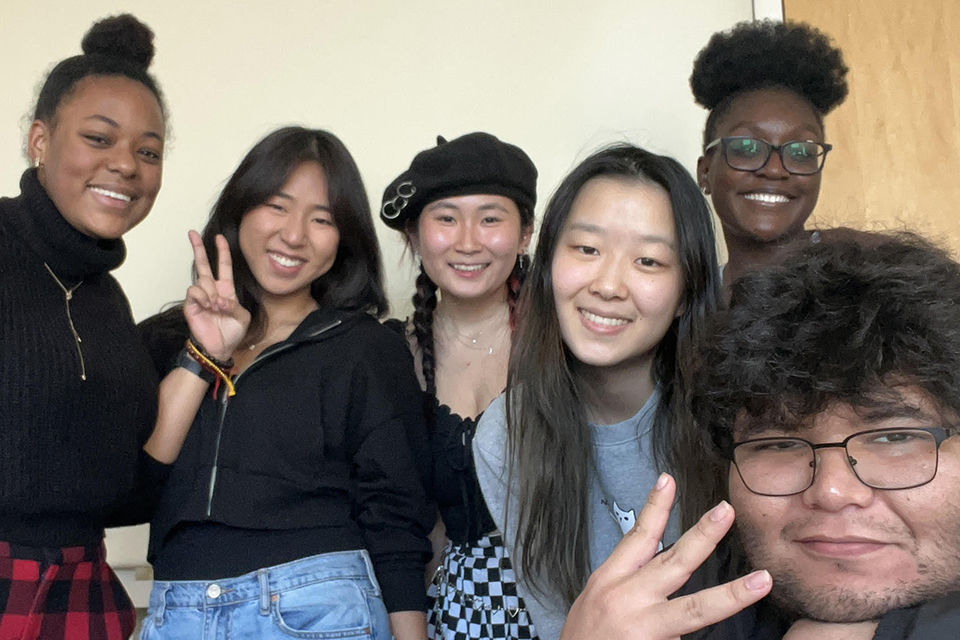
{"x": 767, "y": 86}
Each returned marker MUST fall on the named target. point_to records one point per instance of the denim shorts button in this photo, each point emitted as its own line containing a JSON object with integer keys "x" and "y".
{"x": 213, "y": 591}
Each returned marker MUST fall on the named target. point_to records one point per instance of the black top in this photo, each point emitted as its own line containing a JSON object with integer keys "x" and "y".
{"x": 934, "y": 620}
{"x": 72, "y": 459}
{"x": 456, "y": 488}
{"x": 318, "y": 451}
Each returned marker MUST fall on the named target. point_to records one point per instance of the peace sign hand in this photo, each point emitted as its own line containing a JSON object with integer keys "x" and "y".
{"x": 627, "y": 596}
{"x": 216, "y": 318}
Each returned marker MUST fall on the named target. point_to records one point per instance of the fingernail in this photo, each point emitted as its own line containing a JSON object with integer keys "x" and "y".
{"x": 662, "y": 481}
{"x": 720, "y": 511}
{"x": 757, "y": 581}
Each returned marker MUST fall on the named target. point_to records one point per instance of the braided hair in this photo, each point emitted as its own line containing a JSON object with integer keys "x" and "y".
{"x": 474, "y": 163}
{"x": 425, "y": 303}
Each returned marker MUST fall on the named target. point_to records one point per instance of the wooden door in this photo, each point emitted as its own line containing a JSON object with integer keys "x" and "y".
{"x": 896, "y": 157}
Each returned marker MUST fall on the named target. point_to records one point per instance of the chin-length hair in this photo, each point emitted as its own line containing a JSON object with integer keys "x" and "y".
{"x": 355, "y": 281}
{"x": 549, "y": 444}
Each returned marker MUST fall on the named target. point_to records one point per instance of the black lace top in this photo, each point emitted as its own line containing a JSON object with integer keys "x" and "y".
{"x": 456, "y": 489}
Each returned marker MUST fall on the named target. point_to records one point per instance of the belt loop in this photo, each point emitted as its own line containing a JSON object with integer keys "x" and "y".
{"x": 161, "y": 599}
{"x": 264, "y": 576}
{"x": 370, "y": 574}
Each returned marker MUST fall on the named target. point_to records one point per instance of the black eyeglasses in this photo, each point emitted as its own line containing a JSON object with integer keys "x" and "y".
{"x": 880, "y": 458}
{"x": 800, "y": 157}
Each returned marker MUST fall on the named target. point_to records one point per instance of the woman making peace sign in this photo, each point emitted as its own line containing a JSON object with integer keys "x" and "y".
{"x": 297, "y": 480}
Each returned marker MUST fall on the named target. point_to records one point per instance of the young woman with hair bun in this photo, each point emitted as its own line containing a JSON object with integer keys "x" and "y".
{"x": 465, "y": 208}
{"x": 767, "y": 86}
{"x": 80, "y": 443}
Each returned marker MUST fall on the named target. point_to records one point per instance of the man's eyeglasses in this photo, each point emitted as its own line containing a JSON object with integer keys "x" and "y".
{"x": 880, "y": 458}
{"x": 799, "y": 157}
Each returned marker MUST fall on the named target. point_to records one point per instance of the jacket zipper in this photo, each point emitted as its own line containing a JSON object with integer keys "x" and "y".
{"x": 226, "y": 399}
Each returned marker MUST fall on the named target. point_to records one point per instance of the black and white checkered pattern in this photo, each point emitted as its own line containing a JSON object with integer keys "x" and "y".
{"x": 474, "y": 596}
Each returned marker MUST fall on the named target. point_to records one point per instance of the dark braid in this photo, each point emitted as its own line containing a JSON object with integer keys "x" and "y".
{"x": 424, "y": 304}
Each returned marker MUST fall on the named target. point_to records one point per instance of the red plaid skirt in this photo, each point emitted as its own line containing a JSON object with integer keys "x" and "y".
{"x": 69, "y": 594}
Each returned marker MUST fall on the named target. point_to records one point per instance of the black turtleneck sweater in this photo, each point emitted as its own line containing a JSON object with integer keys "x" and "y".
{"x": 71, "y": 458}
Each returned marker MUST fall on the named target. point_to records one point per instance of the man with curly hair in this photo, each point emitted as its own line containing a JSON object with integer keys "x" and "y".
{"x": 767, "y": 86}
{"x": 831, "y": 389}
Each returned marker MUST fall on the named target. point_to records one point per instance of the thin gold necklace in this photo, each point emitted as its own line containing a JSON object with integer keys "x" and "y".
{"x": 266, "y": 339}
{"x": 67, "y": 296}
{"x": 494, "y": 333}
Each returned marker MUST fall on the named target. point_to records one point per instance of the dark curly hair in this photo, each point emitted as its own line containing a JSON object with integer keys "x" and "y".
{"x": 851, "y": 319}
{"x": 765, "y": 54}
{"x": 116, "y": 46}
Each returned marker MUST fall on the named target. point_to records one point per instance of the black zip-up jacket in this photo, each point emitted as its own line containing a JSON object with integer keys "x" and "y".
{"x": 326, "y": 434}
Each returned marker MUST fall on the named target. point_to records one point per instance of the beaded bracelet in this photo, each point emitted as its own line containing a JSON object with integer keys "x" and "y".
{"x": 210, "y": 365}
{"x": 225, "y": 365}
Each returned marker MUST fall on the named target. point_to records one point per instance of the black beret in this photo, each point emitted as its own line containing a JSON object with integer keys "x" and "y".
{"x": 477, "y": 163}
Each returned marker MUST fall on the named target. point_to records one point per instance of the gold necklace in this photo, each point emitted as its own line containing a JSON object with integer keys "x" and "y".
{"x": 474, "y": 341}
{"x": 67, "y": 296}
{"x": 276, "y": 331}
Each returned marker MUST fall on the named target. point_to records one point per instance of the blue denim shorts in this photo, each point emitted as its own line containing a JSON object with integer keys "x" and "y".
{"x": 332, "y": 595}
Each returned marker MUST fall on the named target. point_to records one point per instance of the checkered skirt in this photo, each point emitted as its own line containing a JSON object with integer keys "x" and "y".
{"x": 69, "y": 593}
{"x": 474, "y": 595}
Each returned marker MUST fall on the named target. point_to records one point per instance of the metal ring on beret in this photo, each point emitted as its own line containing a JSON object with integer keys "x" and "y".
{"x": 405, "y": 191}
{"x": 408, "y": 186}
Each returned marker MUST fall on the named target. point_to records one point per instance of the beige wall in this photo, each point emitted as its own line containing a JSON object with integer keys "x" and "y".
{"x": 557, "y": 77}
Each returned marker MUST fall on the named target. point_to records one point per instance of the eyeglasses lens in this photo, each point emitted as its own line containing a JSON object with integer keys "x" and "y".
{"x": 751, "y": 154}
{"x": 776, "y": 467}
{"x": 894, "y": 459}
{"x": 885, "y": 459}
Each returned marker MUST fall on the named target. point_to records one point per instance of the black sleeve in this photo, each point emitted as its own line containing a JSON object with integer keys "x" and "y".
{"x": 151, "y": 476}
{"x": 163, "y": 336}
{"x": 391, "y": 465}
{"x": 759, "y": 622}
{"x": 933, "y": 620}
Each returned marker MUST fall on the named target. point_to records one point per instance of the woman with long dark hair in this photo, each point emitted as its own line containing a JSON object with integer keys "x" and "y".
{"x": 81, "y": 449}
{"x": 465, "y": 208}
{"x": 596, "y": 404}
{"x": 297, "y": 505}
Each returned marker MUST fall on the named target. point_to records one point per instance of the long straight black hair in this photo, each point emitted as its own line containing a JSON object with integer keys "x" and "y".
{"x": 353, "y": 283}
{"x": 549, "y": 443}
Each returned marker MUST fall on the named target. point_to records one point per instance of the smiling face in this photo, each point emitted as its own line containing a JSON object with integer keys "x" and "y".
{"x": 616, "y": 276}
{"x": 468, "y": 245}
{"x": 843, "y": 552}
{"x": 102, "y": 156}
{"x": 291, "y": 239}
{"x": 769, "y": 204}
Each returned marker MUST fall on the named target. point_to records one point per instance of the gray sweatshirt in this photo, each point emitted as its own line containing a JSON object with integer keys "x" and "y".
{"x": 626, "y": 475}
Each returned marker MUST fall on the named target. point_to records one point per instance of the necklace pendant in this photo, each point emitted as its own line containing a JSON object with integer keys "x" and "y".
{"x": 69, "y": 295}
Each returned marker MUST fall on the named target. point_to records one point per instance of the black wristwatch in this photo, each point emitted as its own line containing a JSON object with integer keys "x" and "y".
{"x": 186, "y": 361}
